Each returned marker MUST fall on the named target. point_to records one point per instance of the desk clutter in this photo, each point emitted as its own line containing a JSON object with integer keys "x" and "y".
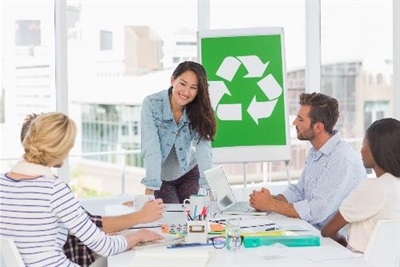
{"x": 196, "y": 228}
{"x": 194, "y": 231}
{"x": 181, "y": 228}
{"x": 272, "y": 240}
{"x": 254, "y": 232}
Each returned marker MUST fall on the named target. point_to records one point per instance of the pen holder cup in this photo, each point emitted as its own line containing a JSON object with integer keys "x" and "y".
{"x": 196, "y": 232}
{"x": 197, "y": 206}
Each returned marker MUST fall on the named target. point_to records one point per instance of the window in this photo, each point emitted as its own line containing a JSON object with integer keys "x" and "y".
{"x": 27, "y": 33}
{"x": 27, "y": 69}
{"x": 106, "y": 40}
{"x": 357, "y": 54}
{"x": 115, "y": 62}
{"x": 113, "y": 65}
{"x": 375, "y": 110}
{"x": 291, "y": 16}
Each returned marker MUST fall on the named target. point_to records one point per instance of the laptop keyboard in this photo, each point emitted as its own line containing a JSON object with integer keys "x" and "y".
{"x": 241, "y": 206}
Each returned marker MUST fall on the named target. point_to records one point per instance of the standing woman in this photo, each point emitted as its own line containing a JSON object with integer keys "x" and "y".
{"x": 177, "y": 127}
{"x": 373, "y": 199}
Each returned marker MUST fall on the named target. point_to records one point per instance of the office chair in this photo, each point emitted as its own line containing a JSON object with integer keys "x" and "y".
{"x": 383, "y": 248}
{"x": 10, "y": 256}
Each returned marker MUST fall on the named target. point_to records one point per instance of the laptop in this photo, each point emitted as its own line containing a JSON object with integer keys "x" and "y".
{"x": 227, "y": 202}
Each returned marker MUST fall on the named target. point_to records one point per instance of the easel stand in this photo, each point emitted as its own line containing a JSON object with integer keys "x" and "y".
{"x": 265, "y": 180}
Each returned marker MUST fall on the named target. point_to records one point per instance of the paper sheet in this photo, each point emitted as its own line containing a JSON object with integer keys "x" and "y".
{"x": 324, "y": 253}
{"x": 255, "y": 222}
{"x": 316, "y": 254}
{"x": 168, "y": 217}
{"x": 273, "y": 252}
{"x": 293, "y": 227}
{"x": 173, "y": 257}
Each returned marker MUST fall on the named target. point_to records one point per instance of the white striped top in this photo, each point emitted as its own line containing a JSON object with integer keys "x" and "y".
{"x": 38, "y": 213}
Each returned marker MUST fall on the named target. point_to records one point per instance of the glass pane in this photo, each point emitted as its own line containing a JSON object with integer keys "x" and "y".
{"x": 119, "y": 52}
{"x": 249, "y": 14}
{"x": 357, "y": 62}
{"x": 27, "y": 69}
{"x": 291, "y": 16}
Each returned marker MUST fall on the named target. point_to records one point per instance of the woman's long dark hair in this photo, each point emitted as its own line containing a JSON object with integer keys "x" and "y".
{"x": 384, "y": 141}
{"x": 199, "y": 111}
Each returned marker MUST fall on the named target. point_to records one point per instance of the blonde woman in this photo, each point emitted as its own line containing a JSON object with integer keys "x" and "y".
{"x": 38, "y": 210}
{"x": 78, "y": 252}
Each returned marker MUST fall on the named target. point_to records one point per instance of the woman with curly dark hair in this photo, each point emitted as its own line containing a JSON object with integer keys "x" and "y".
{"x": 177, "y": 127}
{"x": 374, "y": 199}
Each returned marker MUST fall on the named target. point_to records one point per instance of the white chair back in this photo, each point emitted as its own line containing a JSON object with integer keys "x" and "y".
{"x": 383, "y": 248}
{"x": 10, "y": 256}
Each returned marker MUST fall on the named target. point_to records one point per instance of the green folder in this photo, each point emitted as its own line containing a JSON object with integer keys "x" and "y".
{"x": 289, "y": 241}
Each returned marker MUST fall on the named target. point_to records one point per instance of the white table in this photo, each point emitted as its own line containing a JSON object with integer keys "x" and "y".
{"x": 261, "y": 256}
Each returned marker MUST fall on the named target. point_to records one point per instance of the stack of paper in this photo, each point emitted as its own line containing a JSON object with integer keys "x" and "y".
{"x": 173, "y": 257}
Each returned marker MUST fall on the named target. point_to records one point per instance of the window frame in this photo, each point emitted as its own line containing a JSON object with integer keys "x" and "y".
{"x": 313, "y": 52}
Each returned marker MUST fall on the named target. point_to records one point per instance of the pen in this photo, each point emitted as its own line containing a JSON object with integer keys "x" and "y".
{"x": 189, "y": 217}
{"x": 189, "y": 245}
{"x": 174, "y": 211}
{"x": 142, "y": 227}
{"x": 261, "y": 225}
{"x": 271, "y": 228}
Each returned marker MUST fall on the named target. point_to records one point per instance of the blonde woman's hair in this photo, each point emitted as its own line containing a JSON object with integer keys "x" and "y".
{"x": 49, "y": 137}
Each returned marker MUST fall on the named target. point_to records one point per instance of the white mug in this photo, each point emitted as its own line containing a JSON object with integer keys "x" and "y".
{"x": 196, "y": 205}
{"x": 140, "y": 200}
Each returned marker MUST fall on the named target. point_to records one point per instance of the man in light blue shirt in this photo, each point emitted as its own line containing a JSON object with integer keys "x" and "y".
{"x": 332, "y": 168}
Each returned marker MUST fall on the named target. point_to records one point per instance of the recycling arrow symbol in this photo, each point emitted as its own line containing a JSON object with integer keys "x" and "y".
{"x": 255, "y": 69}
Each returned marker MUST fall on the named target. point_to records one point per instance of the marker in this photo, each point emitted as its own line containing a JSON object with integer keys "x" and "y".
{"x": 194, "y": 213}
{"x": 221, "y": 221}
{"x": 189, "y": 245}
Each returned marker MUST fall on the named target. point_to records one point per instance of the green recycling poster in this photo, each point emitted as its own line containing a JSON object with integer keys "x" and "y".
{"x": 246, "y": 75}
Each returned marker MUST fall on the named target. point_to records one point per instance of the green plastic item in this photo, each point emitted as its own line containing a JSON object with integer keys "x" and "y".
{"x": 289, "y": 241}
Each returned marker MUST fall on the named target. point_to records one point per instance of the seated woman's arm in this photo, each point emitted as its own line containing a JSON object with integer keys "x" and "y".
{"x": 331, "y": 229}
{"x": 151, "y": 211}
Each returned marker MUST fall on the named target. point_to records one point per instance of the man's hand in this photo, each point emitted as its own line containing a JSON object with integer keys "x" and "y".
{"x": 261, "y": 200}
{"x": 152, "y": 211}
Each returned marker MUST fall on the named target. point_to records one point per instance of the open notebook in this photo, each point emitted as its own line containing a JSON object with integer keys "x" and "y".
{"x": 227, "y": 202}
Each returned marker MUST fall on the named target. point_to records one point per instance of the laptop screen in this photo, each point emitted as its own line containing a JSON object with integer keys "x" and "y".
{"x": 220, "y": 187}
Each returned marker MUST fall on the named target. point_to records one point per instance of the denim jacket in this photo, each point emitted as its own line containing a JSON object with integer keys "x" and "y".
{"x": 160, "y": 133}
